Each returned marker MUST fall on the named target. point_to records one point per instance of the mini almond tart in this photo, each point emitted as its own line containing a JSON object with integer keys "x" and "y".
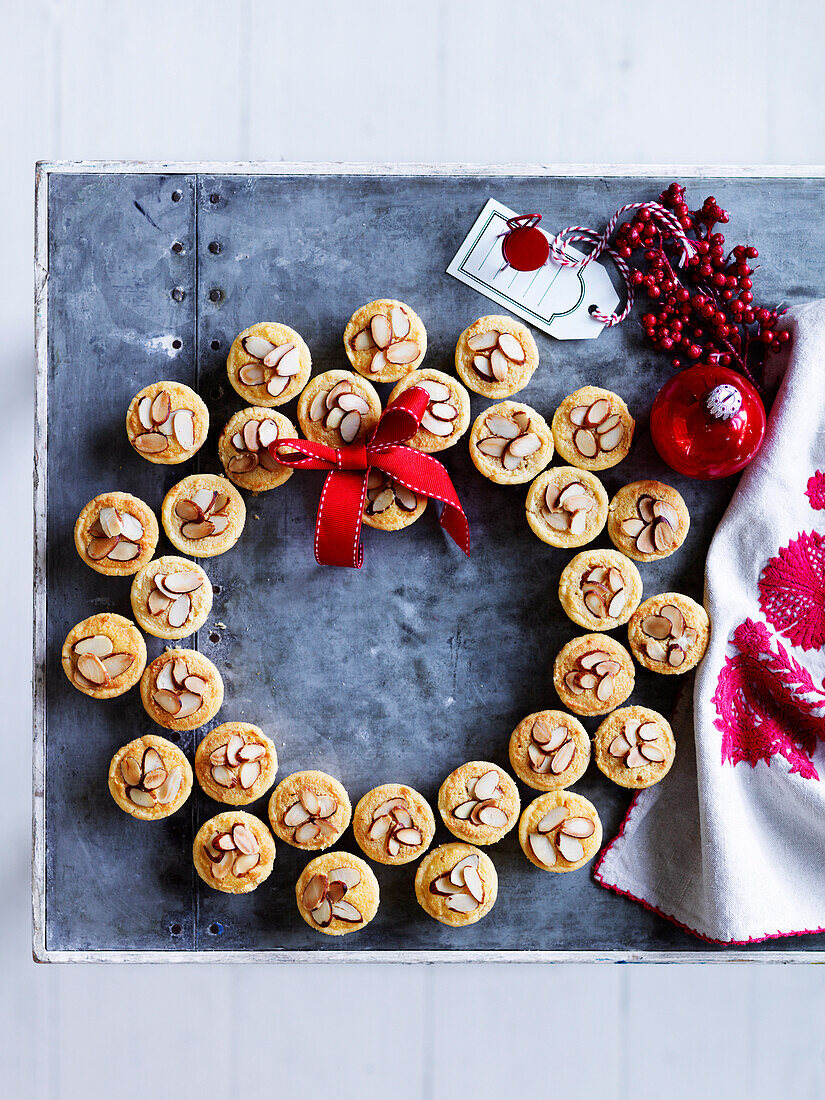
{"x": 150, "y": 778}
{"x": 593, "y": 674}
{"x": 647, "y": 520}
{"x": 634, "y": 747}
{"x": 393, "y": 824}
{"x": 243, "y": 448}
{"x": 566, "y": 507}
{"x": 268, "y": 364}
{"x": 390, "y": 506}
{"x": 447, "y": 415}
{"x": 479, "y": 802}
{"x": 456, "y": 884}
{"x": 116, "y": 534}
{"x": 203, "y": 515}
{"x": 669, "y": 633}
{"x": 549, "y": 750}
{"x": 593, "y": 429}
{"x": 167, "y": 423}
{"x": 600, "y": 589}
{"x": 560, "y": 831}
{"x": 338, "y": 408}
{"x": 385, "y": 339}
{"x": 337, "y": 893}
{"x": 171, "y": 597}
{"x": 104, "y": 655}
{"x": 233, "y": 852}
{"x": 309, "y": 810}
{"x": 496, "y": 356}
{"x": 236, "y": 763}
{"x": 510, "y": 443}
{"x": 181, "y": 689}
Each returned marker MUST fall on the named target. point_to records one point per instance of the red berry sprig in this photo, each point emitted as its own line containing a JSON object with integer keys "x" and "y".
{"x": 703, "y": 312}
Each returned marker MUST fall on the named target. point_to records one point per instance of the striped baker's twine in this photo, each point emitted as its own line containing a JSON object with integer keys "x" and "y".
{"x": 601, "y": 244}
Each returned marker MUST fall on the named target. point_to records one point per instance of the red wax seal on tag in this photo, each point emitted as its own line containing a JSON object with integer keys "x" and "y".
{"x": 524, "y": 246}
{"x": 707, "y": 422}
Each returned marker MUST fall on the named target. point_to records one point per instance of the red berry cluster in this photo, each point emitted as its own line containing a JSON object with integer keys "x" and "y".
{"x": 703, "y": 312}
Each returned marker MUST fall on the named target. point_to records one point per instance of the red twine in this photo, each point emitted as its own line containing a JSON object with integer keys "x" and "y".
{"x": 341, "y": 507}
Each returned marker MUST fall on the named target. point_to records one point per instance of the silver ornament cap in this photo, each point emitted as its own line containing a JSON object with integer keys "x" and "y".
{"x": 724, "y": 401}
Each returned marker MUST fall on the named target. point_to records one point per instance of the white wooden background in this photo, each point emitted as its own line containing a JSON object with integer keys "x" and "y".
{"x": 428, "y": 80}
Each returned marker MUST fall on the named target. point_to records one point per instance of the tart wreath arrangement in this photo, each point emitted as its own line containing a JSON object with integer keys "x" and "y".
{"x": 381, "y": 454}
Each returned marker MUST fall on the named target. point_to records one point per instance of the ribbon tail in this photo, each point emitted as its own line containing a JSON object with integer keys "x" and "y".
{"x": 338, "y": 527}
{"x": 455, "y": 524}
{"x": 426, "y": 476}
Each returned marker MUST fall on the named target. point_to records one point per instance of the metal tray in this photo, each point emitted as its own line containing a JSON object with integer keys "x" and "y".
{"x": 401, "y": 671}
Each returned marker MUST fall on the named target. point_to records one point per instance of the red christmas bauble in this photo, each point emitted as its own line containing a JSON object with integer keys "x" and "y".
{"x": 524, "y": 246}
{"x": 707, "y": 422}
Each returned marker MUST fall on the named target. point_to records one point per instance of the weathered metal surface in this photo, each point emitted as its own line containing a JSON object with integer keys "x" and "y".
{"x": 401, "y": 671}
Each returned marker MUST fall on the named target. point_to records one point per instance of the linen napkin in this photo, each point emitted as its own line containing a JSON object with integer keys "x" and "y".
{"x": 731, "y": 844}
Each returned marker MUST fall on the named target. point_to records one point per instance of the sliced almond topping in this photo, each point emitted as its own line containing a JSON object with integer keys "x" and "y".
{"x": 98, "y": 644}
{"x": 245, "y": 839}
{"x": 605, "y": 688}
{"x": 462, "y": 903}
{"x": 457, "y": 873}
{"x": 571, "y": 681}
{"x": 493, "y": 445}
{"x": 154, "y": 779}
{"x": 633, "y": 527}
{"x": 593, "y": 658}
{"x": 653, "y": 753}
{"x": 141, "y": 798}
{"x": 499, "y": 365}
{"x": 400, "y": 323}
{"x": 405, "y": 351}
{"x": 410, "y": 837}
{"x": 609, "y": 441}
{"x": 552, "y": 819}
{"x": 500, "y": 425}
{"x": 327, "y": 805}
{"x": 249, "y": 773}
{"x": 257, "y": 346}
{"x": 586, "y": 443}
{"x": 657, "y": 626}
{"x": 344, "y": 910}
{"x": 289, "y": 363}
{"x": 381, "y": 330}
{"x": 676, "y": 619}
{"x": 405, "y": 498}
{"x": 117, "y": 664}
{"x": 151, "y": 443}
{"x": 183, "y": 424}
{"x": 276, "y": 385}
{"x": 619, "y": 746}
{"x": 350, "y": 426}
{"x": 251, "y": 751}
{"x": 437, "y": 390}
{"x": 223, "y": 776}
{"x": 511, "y": 347}
{"x": 244, "y": 864}
{"x": 152, "y": 760}
{"x": 379, "y": 828}
{"x": 570, "y": 848}
{"x": 492, "y": 816}
{"x": 131, "y": 527}
{"x": 437, "y": 426}
{"x": 483, "y": 341}
{"x": 144, "y": 411}
{"x": 179, "y": 611}
{"x": 577, "y": 415}
{"x": 225, "y": 843}
{"x": 608, "y": 424}
{"x": 581, "y": 827}
{"x": 588, "y": 680}
{"x": 190, "y": 702}
{"x": 597, "y": 412}
{"x": 486, "y": 785}
{"x": 472, "y": 880}
{"x": 92, "y": 668}
{"x": 362, "y": 341}
{"x": 334, "y": 418}
{"x": 665, "y": 511}
{"x": 648, "y": 731}
{"x": 644, "y": 541}
{"x": 234, "y": 746}
{"x": 110, "y": 520}
{"x": 131, "y": 771}
{"x": 349, "y": 876}
{"x": 378, "y": 362}
{"x": 676, "y": 656}
{"x": 444, "y": 410}
{"x": 444, "y": 885}
{"x": 634, "y": 758}
{"x": 655, "y": 650}
{"x": 98, "y": 549}
{"x": 481, "y": 364}
{"x": 525, "y": 445}
{"x": 161, "y": 407}
{"x": 168, "y": 701}
{"x": 124, "y": 551}
{"x": 563, "y": 757}
{"x": 297, "y": 814}
{"x": 322, "y": 915}
{"x": 353, "y": 402}
{"x": 542, "y": 849}
{"x": 310, "y": 802}
{"x": 314, "y": 892}
{"x": 252, "y": 374}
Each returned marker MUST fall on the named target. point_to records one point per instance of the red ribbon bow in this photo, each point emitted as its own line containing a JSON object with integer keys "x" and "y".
{"x": 338, "y": 527}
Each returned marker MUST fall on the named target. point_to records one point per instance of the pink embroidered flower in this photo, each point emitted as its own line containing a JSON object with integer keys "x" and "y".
{"x": 816, "y": 490}
{"x": 792, "y": 590}
{"x": 764, "y": 704}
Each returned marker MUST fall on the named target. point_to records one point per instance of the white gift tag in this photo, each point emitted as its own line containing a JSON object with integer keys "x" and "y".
{"x": 554, "y": 298}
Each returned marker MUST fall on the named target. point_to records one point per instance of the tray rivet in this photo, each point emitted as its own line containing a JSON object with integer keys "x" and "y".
{"x": 175, "y": 929}
{"x": 176, "y": 344}
{"x": 215, "y": 295}
{"x": 177, "y": 247}
{"x": 178, "y": 293}
{"x": 216, "y": 929}
{"x": 214, "y": 197}
{"x": 215, "y": 345}
{"x": 215, "y": 247}
{"x": 177, "y": 196}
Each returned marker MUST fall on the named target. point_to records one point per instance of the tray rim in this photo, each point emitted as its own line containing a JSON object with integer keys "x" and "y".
{"x": 43, "y": 170}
